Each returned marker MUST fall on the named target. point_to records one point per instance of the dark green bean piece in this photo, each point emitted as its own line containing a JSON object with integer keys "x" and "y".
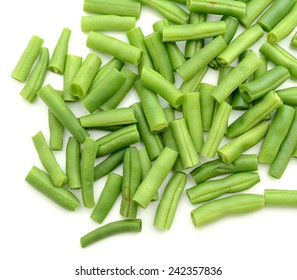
{"x": 110, "y": 229}
{"x": 288, "y": 95}
{"x": 42, "y": 182}
{"x": 280, "y": 197}
{"x": 207, "y": 105}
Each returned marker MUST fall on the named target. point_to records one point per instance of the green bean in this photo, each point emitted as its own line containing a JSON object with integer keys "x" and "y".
{"x": 187, "y": 152}
{"x": 262, "y": 68}
{"x": 288, "y": 95}
{"x": 193, "y": 84}
{"x": 85, "y": 75}
{"x": 58, "y": 59}
{"x": 240, "y": 44}
{"x": 152, "y": 141}
{"x": 114, "y": 47}
{"x": 157, "y": 174}
{"x": 240, "y": 73}
{"x": 131, "y": 181}
{"x": 87, "y": 172}
{"x": 214, "y": 188}
{"x": 192, "y": 115}
{"x": 37, "y": 76}
{"x": 194, "y": 46}
{"x": 216, "y": 167}
{"x": 23, "y": 67}
{"x": 267, "y": 82}
{"x": 109, "y": 164}
{"x": 222, "y": 7}
{"x": 169, "y": 10}
{"x": 253, "y": 9}
{"x": 207, "y": 105}
{"x": 287, "y": 148}
{"x": 117, "y": 140}
{"x": 113, "y": 7}
{"x": 293, "y": 42}
{"x": 152, "y": 108}
{"x": 104, "y": 90}
{"x": 107, "y": 23}
{"x": 169, "y": 202}
{"x": 73, "y": 170}
{"x": 223, "y": 72}
{"x": 200, "y": 60}
{"x": 217, "y": 130}
{"x": 145, "y": 162}
{"x": 73, "y": 63}
{"x": 135, "y": 37}
{"x": 42, "y": 182}
{"x": 280, "y": 197}
{"x": 49, "y": 161}
{"x": 195, "y": 31}
{"x": 254, "y": 115}
{"x": 63, "y": 113}
{"x": 279, "y": 56}
{"x": 235, "y": 204}
{"x": 232, "y": 150}
{"x": 276, "y": 133}
{"x": 157, "y": 83}
{"x": 107, "y": 198}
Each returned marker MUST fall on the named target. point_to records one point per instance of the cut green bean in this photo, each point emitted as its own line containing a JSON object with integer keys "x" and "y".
{"x": 216, "y": 167}
{"x": 109, "y": 164}
{"x": 169, "y": 10}
{"x": 240, "y": 44}
{"x": 114, "y": 47}
{"x": 262, "y": 68}
{"x": 279, "y": 56}
{"x": 192, "y": 115}
{"x": 145, "y": 162}
{"x": 37, "y": 76}
{"x": 87, "y": 172}
{"x": 254, "y": 115}
{"x": 217, "y": 130}
{"x": 288, "y": 95}
{"x": 215, "y": 188}
{"x": 286, "y": 150}
{"x": 293, "y": 42}
{"x": 232, "y": 150}
{"x": 276, "y": 133}
{"x": 117, "y": 140}
{"x": 58, "y": 59}
{"x": 42, "y": 182}
{"x": 107, "y": 23}
{"x": 73, "y": 63}
{"x": 104, "y": 90}
{"x": 113, "y": 7}
{"x": 155, "y": 177}
{"x": 223, "y": 72}
{"x": 49, "y": 161}
{"x": 195, "y": 31}
{"x": 152, "y": 141}
{"x": 169, "y": 202}
{"x": 63, "y": 113}
{"x": 280, "y": 197}
{"x": 131, "y": 182}
{"x": 110, "y": 229}
{"x": 157, "y": 83}
{"x": 107, "y": 198}
{"x": 187, "y": 152}
{"x": 220, "y": 208}
{"x": 236, "y": 9}
{"x": 201, "y": 59}
{"x": 192, "y": 85}
{"x": 73, "y": 170}
{"x": 23, "y": 67}
{"x": 159, "y": 55}
{"x": 239, "y": 74}
{"x": 269, "y": 81}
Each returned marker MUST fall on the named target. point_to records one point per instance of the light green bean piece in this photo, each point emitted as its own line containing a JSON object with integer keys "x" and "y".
{"x": 280, "y": 197}
{"x": 288, "y": 95}
{"x": 192, "y": 85}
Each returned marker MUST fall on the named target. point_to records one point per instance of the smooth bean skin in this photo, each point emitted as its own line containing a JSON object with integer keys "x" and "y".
{"x": 220, "y": 208}
{"x": 275, "y": 197}
{"x": 288, "y": 95}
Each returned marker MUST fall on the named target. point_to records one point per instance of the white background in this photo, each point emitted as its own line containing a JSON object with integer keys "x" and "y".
{"x": 39, "y": 240}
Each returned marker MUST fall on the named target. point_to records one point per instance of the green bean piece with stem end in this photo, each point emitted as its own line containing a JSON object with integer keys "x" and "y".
{"x": 275, "y": 197}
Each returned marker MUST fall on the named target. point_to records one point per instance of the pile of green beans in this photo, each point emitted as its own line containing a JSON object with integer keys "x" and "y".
{"x": 165, "y": 133}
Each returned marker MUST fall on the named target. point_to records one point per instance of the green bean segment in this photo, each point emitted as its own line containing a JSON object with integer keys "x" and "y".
{"x": 193, "y": 84}
{"x": 280, "y": 197}
{"x": 43, "y": 183}
{"x": 294, "y": 41}
{"x": 169, "y": 202}
{"x": 56, "y": 130}
{"x": 214, "y": 188}
{"x": 220, "y": 208}
{"x": 110, "y": 229}
{"x": 288, "y": 95}
{"x": 207, "y": 105}
{"x": 216, "y": 167}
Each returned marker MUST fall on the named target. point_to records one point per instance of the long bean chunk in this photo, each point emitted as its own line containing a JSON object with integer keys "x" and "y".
{"x": 288, "y": 95}
{"x": 280, "y": 197}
